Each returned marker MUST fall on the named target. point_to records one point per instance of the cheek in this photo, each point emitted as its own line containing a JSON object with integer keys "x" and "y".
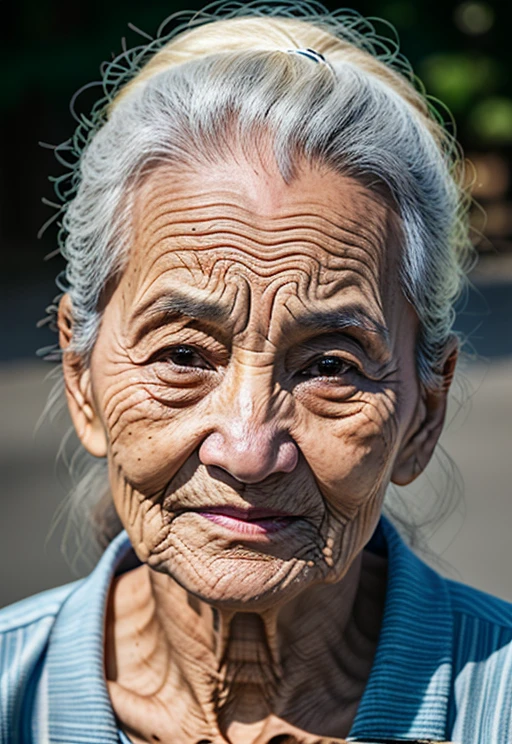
{"x": 351, "y": 455}
{"x": 150, "y": 433}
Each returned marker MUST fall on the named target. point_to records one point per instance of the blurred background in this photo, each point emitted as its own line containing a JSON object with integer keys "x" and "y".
{"x": 461, "y": 50}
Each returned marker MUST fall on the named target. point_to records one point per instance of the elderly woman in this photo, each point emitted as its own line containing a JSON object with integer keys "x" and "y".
{"x": 265, "y": 238}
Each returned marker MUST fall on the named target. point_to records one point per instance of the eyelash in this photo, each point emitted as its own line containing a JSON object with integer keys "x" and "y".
{"x": 343, "y": 363}
{"x": 168, "y": 353}
{"x": 165, "y": 355}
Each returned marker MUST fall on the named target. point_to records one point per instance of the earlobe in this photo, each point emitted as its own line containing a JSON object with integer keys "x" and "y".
{"x": 420, "y": 442}
{"x": 79, "y": 393}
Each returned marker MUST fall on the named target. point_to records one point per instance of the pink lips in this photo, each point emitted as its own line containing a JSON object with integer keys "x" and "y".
{"x": 251, "y": 522}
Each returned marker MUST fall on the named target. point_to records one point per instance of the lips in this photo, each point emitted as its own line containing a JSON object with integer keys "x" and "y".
{"x": 252, "y": 521}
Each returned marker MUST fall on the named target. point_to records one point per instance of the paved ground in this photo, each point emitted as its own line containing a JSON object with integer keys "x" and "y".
{"x": 474, "y": 543}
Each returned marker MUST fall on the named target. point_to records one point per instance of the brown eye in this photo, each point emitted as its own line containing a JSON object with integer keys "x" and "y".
{"x": 328, "y": 366}
{"x": 185, "y": 356}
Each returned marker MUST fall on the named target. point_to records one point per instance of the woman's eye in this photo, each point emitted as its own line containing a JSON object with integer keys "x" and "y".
{"x": 328, "y": 366}
{"x": 185, "y": 356}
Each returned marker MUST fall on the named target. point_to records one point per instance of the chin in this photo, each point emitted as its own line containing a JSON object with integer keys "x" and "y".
{"x": 245, "y": 584}
{"x": 239, "y": 578}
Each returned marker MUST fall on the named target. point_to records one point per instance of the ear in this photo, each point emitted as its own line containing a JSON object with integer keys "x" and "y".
{"x": 421, "y": 439}
{"x": 77, "y": 378}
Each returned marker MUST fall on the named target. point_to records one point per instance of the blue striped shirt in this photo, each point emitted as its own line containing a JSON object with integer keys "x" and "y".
{"x": 442, "y": 670}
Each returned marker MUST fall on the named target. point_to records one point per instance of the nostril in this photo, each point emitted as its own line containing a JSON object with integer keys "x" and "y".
{"x": 224, "y": 476}
{"x": 287, "y": 457}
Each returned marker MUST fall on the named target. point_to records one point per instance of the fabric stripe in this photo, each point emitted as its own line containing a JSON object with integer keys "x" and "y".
{"x": 407, "y": 695}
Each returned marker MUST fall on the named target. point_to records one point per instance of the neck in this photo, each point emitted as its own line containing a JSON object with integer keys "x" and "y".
{"x": 199, "y": 672}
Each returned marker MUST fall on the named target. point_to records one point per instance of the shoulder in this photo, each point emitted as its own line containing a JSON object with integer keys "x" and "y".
{"x": 31, "y": 611}
{"x": 51, "y": 649}
{"x": 25, "y": 629}
{"x": 482, "y": 665}
{"x": 482, "y": 634}
{"x": 479, "y": 606}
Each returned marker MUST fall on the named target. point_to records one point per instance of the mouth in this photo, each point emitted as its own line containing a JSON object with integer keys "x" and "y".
{"x": 250, "y": 521}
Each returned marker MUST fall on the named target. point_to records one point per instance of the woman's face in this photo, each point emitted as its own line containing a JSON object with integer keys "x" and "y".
{"x": 253, "y": 383}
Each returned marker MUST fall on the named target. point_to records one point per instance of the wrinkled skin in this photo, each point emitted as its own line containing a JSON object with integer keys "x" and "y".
{"x": 257, "y": 354}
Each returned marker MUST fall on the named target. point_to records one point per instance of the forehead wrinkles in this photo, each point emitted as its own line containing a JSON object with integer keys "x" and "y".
{"x": 206, "y": 230}
{"x": 200, "y": 235}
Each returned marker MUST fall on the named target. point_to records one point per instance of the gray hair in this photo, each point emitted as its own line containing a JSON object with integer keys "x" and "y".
{"x": 224, "y": 79}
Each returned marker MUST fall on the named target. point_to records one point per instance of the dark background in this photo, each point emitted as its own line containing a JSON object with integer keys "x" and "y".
{"x": 50, "y": 48}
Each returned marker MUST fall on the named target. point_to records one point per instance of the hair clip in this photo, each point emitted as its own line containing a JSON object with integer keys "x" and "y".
{"x": 312, "y": 55}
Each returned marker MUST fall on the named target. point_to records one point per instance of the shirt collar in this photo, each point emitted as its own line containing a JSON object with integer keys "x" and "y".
{"x": 406, "y": 697}
{"x": 407, "y": 694}
{"x": 79, "y": 707}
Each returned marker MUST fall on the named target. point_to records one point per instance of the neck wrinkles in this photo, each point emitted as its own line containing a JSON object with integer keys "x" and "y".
{"x": 198, "y": 672}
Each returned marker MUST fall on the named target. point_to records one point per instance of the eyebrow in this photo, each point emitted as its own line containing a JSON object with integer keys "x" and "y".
{"x": 340, "y": 319}
{"x": 176, "y": 304}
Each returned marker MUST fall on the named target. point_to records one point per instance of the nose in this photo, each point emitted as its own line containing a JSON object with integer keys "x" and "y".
{"x": 250, "y": 453}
